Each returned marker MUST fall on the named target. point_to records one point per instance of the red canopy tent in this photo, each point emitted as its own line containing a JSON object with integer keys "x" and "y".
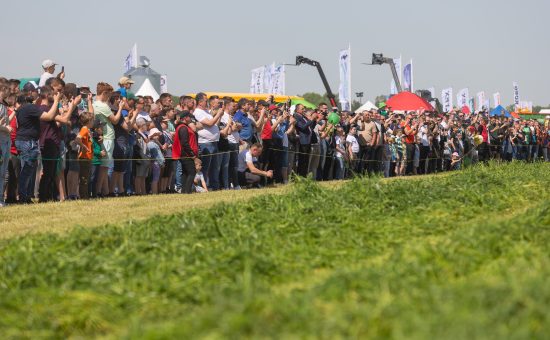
{"x": 406, "y": 101}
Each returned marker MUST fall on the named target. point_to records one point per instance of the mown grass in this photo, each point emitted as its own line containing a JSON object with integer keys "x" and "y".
{"x": 459, "y": 256}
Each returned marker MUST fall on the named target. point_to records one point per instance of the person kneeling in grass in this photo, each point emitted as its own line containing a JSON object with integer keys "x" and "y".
{"x": 249, "y": 174}
{"x": 199, "y": 182}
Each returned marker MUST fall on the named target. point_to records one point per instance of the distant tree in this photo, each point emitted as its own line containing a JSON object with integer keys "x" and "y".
{"x": 355, "y": 105}
{"x": 511, "y": 108}
{"x": 380, "y": 99}
{"x": 316, "y": 98}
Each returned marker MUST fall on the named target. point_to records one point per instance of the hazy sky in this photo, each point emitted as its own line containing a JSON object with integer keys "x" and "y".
{"x": 484, "y": 45}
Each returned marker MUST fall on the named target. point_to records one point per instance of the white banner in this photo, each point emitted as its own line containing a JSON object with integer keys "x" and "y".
{"x": 480, "y": 100}
{"x": 516, "y": 94}
{"x": 163, "y": 84}
{"x": 131, "y": 59}
{"x": 397, "y": 62}
{"x": 268, "y": 82}
{"x": 496, "y": 99}
{"x": 408, "y": 82}
{"x": 277, "y": 80}
{"x": 257, "y": 80}
{"x": 344, "y": 92}
{"x": 447, "y": 99}
{"x": 462, "y": 98}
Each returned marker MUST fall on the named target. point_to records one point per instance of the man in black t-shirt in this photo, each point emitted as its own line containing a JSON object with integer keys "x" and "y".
{"x": 28, "y": 117}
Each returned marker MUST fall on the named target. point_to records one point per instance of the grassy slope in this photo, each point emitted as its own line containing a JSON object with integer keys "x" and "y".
{"x": 460, "y": 256}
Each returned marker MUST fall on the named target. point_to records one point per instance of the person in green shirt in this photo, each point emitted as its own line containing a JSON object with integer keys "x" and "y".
{"x": 104, "y": 114}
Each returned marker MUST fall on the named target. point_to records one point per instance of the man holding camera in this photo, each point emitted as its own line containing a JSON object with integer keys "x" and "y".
{"x": 304, "y": 125}
{"x": 209, "y": 136}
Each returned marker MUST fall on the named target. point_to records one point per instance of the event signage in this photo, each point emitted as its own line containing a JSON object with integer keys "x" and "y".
{"x": 344, "y": 92}
{"x": 447, "y": 99}
{"x": 462, "y": 98}
{"x": 163, "y": 84}
{"x": 496, "y": 99}
{"x": 408, "y": 84}
{"x": 480, "y": 100}
{"x": 516, "y": 94}
{"x": 131, "y": 60}
{"x": 257, "y": 80}
{"x": 277, "y": 80}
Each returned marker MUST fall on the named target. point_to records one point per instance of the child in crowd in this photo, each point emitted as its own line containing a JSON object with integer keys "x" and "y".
{"x": 157, "y": 163}
{"x": 455, "y": 161}
{"x": 143, "y": 165}
{"x": 400, "y": 148}
{"x": 98, "y": 153}
{"x": 199, "y": 182}
{"x": 84, "y": 140}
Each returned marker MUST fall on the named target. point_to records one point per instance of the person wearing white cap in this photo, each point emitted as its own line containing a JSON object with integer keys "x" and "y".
{"x": 49, "y": 68}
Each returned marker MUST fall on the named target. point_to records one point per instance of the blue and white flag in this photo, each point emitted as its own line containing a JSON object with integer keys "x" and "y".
{"x": 344, "y": 92}
{"x": 277, "y": 80}
{"x": 131, "y": 59}
{"x": 257, "y": 81}
{"x": 462, "y": 98}
{"x": 516, "y": 95}
{"x": 163, "y": 84}
{"x": 447, "y": 99}
{"x": 408, "y": 83}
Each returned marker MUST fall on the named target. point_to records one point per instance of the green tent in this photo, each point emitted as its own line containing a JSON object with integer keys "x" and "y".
{"x": 23, "y": 81}
{"x": 304, "y": 103}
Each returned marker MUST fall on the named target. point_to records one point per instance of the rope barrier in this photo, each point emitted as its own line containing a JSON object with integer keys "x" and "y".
{"x": 474, "y": 148}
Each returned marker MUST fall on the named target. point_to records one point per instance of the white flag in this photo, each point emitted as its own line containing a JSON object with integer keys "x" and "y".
{"x": 397, "y": 62}
{"x": 496, "y": 99}
{"x": 277, "y": 80}
{"x": 480, "y": 100}
{"x": 462, "y": 98}
{"x": 344, "y": 92}
{"x": 163, "y": 84}
{"x": 516, "y": 95}
{"x": 257, "y": 80}
{"x": 268, "y": 81}
{"x": 408, "y": 82}
{"x": 447, "y": 99}
{"x": 131, "y": 59}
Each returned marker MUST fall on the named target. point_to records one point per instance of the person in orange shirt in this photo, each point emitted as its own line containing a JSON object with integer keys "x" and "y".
{"x": 84, "y": 140}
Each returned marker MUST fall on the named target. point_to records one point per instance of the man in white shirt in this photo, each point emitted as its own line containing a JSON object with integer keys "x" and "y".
{"x": 208, "y": 139}
{"x": 353, "y": 148}
{"x": 249, "y": 174}
{"x": 49, "y": 68}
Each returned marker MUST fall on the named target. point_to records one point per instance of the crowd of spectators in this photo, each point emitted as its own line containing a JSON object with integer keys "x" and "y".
{"x": 61, "y": 141}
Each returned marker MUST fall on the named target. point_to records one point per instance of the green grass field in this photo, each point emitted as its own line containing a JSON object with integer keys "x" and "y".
{"x": 459, "y": 256}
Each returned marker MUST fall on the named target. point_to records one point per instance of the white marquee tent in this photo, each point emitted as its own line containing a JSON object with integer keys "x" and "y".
{"x": 366, "y": 107}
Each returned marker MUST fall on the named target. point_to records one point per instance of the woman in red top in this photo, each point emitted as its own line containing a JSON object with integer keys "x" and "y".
{"x": 186, "y": 150}
{"x": 266, "y": 159}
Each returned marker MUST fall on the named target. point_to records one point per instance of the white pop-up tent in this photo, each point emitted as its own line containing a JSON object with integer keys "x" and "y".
{"x": 366, "y": 107}
{"x": 147, "y": 89}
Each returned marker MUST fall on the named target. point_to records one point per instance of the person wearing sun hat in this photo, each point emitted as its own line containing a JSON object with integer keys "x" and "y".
{"x": 125, "y": 83}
